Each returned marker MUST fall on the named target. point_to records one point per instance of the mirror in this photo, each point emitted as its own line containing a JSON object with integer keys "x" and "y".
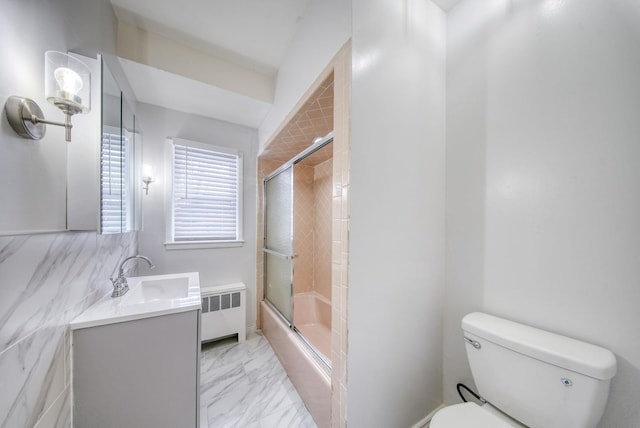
{"x": 119, "y": 155}
{"x": 101, "y": 193}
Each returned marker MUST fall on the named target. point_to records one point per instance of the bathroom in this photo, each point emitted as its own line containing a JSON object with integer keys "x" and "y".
{"x": 492, "y": 166}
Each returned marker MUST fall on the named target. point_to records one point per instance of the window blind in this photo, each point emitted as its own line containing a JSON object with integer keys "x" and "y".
{"x": 206, "y": 194}
{"x": 113, "y": 190}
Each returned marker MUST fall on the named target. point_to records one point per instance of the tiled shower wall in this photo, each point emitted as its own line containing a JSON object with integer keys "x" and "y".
{"x": 45, "y": 281}
{"x": 303, "y": 233}
{"x": 340, "y": 234}
{"x": 312, "y": 228}
{"x": 322, "y": 221}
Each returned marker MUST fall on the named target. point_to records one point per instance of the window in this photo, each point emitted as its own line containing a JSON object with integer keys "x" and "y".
{"x": 206, "y": 195}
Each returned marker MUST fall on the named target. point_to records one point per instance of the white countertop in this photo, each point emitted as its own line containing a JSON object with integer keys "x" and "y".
{"x": 148, "y": 296}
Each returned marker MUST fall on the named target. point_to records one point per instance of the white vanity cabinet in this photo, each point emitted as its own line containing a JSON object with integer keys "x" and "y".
{"x": 133, "y": 369}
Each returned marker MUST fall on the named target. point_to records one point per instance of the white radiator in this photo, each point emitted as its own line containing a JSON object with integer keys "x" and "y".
{"x": 224, "y": 311}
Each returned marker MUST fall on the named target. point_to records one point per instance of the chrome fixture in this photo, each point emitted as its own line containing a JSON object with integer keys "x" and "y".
{"x": 473, "y": 343}
{"x": 67, "y": 83}
{"x": 120, "y": 286}
{"x": 147, "y": 177}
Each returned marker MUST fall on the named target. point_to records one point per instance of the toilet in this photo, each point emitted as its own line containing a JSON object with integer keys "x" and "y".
{"x": 530, "y": 378}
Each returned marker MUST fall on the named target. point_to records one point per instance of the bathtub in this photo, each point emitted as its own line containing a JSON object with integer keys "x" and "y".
{"x": 312, "y": 316}
{"x": 310, "y": 378}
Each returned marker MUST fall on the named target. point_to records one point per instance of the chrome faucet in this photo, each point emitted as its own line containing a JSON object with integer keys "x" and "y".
{"x": 120, "y": 286}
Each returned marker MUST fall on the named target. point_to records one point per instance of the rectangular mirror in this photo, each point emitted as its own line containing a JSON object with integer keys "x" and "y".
{"x": 119, "y": 156}
{"x": 103, "y": 189}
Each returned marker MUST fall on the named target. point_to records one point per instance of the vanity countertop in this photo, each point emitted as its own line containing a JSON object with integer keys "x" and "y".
{"x": 148, "y": 296}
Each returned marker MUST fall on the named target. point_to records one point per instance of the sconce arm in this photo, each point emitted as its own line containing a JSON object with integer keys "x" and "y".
{"x": 67, "y": 124}
{"x": 35, "y": 120}
{"x": 27, "y": 120}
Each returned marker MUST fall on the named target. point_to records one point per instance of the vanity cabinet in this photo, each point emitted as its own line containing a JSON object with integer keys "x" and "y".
{"x": 138, "y": 373}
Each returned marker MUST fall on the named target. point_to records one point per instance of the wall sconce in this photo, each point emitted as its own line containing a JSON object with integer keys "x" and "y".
{"x": 67, "y": 84}
{"x": 147, "y": 177}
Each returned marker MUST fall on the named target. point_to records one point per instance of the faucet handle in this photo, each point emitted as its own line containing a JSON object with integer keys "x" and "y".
{"x": 120, "y": 286}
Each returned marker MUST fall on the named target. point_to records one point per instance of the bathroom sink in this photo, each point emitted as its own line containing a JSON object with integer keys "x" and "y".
{"x": 148, "y": 296}
{"x": 150, "y": 290}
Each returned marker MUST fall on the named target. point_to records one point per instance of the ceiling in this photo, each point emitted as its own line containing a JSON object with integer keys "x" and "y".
{"x": 250, "y": 34}
{"x": 191, "y": 96}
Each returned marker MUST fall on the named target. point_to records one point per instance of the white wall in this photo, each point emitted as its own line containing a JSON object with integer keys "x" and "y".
{"x": 33, "y": 173}
{"x": 325, "y": 28}
{"x": 543, "y": 177}
{"x": 396, "y": 265}
{"x": 218, "y": 265}
{"x": 46, "y": 280}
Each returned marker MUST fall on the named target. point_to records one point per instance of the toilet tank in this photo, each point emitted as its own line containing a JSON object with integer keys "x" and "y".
{"x": 541, "y": 379}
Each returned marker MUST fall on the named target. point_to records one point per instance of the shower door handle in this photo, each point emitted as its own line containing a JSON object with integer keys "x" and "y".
{"x": 281, "y": 255}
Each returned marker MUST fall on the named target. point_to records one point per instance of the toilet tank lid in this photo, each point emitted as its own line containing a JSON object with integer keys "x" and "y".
{"x": 571, "y": 354}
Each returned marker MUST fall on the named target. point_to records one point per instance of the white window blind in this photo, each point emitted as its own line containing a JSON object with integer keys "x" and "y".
{"x": 207, "y": 193}
{"x": 114, "y": 159}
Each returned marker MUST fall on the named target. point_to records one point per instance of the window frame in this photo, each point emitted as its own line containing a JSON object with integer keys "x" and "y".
{"x": 170, "y": 242}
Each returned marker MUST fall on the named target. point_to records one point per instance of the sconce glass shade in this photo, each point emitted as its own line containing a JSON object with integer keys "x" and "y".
{"x": 147, "y": 171}
{"x": 67, "y": 83}
{"x": 147, "y": 177}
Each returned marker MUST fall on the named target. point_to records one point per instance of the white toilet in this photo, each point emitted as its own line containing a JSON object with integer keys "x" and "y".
{"x": 530, "y": 378}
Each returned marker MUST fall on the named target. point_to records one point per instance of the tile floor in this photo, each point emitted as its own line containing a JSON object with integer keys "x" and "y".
{"x": 244, "y": 385}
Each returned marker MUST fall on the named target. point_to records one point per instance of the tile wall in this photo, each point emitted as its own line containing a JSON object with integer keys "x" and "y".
{"x": 322, "y": 222}
{"x": 340, "y": 234}
{"x": 303, "y": 233}
{"x": 312, "y": 228}
{"x": 46, "y": 280}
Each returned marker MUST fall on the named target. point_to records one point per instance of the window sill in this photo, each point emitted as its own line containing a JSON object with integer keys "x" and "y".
{"x": 201, "y": 245}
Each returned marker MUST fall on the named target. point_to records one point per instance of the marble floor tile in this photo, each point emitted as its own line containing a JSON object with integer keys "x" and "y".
{"x": 244, "y": 385}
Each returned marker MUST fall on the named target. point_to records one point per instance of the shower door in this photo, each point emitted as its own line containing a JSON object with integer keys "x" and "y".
{"x": 278, "y": 241}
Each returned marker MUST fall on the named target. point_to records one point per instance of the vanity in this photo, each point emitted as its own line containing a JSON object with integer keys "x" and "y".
{"x": 136, "y": 358}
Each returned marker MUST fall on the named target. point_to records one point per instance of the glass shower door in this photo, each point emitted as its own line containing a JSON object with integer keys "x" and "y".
{"x": 278, "y": 241}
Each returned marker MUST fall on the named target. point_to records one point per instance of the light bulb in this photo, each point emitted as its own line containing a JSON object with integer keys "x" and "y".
{"x": 68, "y": 80}
{"x": 147, "y": 171}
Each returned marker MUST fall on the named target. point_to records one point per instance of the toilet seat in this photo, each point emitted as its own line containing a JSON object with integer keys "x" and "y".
{"x": 467, "y": 415}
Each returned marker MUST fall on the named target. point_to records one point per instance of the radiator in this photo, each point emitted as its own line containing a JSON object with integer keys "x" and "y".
{"x": 224, "y": 311}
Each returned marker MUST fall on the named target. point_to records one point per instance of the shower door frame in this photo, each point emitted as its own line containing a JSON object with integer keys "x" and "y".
{"x": 267, "y": 251}
{"x": 318, "y": 144}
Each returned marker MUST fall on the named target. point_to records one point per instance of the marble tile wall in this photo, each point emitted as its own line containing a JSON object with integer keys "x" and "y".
{"x": 46, "y": 280}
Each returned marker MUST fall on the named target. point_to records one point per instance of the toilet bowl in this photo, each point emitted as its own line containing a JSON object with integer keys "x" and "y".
{"x": 473, "y": 416}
